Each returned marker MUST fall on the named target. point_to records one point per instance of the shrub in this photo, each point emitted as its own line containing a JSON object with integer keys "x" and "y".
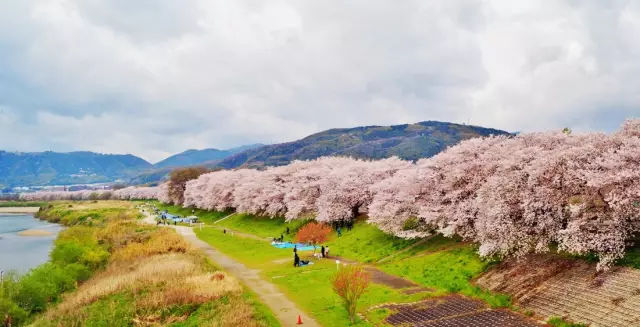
{"x": 42, "y": 285}
{"x": 10, "y": 313}
{"x": 68, "y": 252}
{"x": 313, "y": 233}
{"x": 350, "y": 282}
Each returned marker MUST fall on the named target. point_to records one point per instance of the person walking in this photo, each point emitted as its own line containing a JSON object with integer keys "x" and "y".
{"x": 326, "y": 252}
{"x": 322, "y": 251}
{"x": 296, "y": 260}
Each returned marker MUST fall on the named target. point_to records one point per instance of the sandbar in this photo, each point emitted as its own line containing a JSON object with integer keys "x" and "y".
{"x": 35, "y": 232}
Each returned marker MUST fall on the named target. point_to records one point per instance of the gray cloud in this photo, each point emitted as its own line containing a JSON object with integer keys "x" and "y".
{"x": 157, "y": 77}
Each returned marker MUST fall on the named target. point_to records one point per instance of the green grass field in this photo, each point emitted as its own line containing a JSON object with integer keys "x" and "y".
{"x": 4, "y": 204}
{"x": 365, "y": 243}
{"x": 207, "y": 217}
{"x": 262, "y": 226}
{"x": 449, "y": 270}
{"x": 443, "y": 264}
{"x": 308, "y": 286}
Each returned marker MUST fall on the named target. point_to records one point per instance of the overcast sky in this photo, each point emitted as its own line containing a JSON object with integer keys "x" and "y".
{"x": 155, "y": 77}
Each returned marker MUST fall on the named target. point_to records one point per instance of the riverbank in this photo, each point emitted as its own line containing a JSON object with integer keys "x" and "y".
{"x": 19, "y": 210}
{"x": 107, "y": 268}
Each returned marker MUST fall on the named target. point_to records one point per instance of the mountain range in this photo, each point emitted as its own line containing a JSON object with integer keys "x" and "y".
{"x": 54, "y": 168}
{"x": 407, "y": 141}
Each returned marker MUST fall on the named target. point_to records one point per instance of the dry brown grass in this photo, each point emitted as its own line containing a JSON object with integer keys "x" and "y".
{"x": 169, "y": 279}
{"x": 89, "y": 205}
{"x": 234, "y": 313}
{"x": 158, "y": 274}
{"x": 162, "y": 270}
{"x": 160, "y": 241}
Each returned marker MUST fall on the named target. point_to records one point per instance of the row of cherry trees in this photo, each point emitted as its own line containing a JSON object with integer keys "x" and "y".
{"x": 521, "y": 194}
{"x": 128, "y": 193}
{"x": 511, "y": 195}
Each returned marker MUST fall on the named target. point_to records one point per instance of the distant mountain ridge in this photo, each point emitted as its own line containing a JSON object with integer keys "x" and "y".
{"x": 194, "y": 157}
{"x": 55, "y": 168}
{"x": 407, "y": 141}
{"x": 205, "y": 157}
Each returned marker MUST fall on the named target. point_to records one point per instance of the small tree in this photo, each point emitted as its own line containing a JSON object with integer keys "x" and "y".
{"x": 350, "y": 282}
{"x": 313, "y": 233}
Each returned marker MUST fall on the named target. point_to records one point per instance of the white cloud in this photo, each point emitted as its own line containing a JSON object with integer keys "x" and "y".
{"x": 157, "y": 77}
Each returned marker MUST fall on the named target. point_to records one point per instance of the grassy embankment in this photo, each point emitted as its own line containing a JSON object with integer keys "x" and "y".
{"x": 5, "y": 204}
{"x": 106, "y": 269}
{"x": 444, "y": 265}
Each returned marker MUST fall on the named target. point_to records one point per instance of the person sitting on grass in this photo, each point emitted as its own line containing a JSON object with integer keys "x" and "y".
{"x": 296, "y": 260}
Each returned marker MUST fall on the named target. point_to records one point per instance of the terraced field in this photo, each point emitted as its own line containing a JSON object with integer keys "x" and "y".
{"x": 570, "y": 289}
{"x": 454, "y": 311}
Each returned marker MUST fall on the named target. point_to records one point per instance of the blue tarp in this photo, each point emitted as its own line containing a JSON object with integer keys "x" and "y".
{"x": 289, "y": 245}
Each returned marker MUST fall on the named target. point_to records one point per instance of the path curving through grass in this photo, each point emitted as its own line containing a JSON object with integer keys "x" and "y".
{"x": 285, "y": 310}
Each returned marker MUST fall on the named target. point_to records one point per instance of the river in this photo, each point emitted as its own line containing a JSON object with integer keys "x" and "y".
{"x": 21, "y": 253}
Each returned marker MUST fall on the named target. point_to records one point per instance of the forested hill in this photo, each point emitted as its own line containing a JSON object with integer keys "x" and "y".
{"x": 55, "y": 168}
{"x": 408, "y": 141}
{"x": 197, "y": 157}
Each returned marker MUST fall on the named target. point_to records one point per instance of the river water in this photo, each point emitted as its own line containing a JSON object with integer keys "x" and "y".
{"x": 21, "y": 253}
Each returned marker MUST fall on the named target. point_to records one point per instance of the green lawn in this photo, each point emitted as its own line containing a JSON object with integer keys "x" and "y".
{"x": 308, "y": 286}
{"x": 253, "y": 253}
{"x": 365, "y": 243}
{"x": 245, "y": 223}
{"x": 207, "y": 217}
{"x": 22, "y": 204}
{"x": 449, "y": 270}
{"x": 443, "y": 264}
{"x": 262, "y": 226}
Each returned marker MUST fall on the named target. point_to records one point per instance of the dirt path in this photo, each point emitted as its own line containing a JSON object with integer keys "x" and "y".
{"x": 380, "y": 277}
{"x": 285, "y": 310}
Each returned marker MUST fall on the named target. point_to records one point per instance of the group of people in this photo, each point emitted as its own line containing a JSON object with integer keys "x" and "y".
{"x": 165, "y": 221}
{"x": 340, "y": 224}
{"x": 324, "y": 252}
{"x": 279, "y": 239}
